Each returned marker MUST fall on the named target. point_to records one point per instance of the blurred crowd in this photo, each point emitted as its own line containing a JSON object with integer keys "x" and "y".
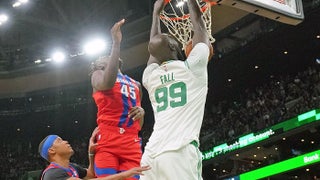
{"x": 279, "y": 99}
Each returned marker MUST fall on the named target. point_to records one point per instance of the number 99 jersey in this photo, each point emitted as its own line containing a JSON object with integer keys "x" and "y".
{"x": 177, "y": 91}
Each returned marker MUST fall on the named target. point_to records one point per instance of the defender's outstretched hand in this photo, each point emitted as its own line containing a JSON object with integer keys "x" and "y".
{"x": 135, "y": 171}
{"x": 116, "y": 31}
{"x": 92, "y": 141}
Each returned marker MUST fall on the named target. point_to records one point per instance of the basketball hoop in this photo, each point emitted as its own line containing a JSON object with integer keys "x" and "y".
{"x": 175, "y": 16}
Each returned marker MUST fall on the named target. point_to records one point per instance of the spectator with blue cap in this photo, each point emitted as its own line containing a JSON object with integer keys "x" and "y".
{"x": 58, "y": 152}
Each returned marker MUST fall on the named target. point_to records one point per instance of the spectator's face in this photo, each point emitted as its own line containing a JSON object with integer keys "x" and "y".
{"x": 62, "y": 147}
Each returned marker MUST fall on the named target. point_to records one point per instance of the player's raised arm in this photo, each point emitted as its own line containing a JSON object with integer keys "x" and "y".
{"x": 155, "y": 28}
{"x": 199, "y": 28}
{"x": 105, "y": 77}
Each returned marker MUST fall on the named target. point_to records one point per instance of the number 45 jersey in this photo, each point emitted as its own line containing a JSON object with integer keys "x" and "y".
{"x": 114, "y": 104}
{"x": 177, "y": 91}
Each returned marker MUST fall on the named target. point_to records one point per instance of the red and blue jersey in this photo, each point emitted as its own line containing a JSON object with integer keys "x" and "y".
{"x": 114, "y": 104}
{"x": 55, "y": 171}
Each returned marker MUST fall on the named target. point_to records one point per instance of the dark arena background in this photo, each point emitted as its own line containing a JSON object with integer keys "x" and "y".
{"x": 262, "y": 111}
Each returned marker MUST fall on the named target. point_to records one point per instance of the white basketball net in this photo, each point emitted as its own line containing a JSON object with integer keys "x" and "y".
{"x": 175, "y": 17}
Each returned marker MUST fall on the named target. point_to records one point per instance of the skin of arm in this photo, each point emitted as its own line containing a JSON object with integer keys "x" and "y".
{"x": 119, "y": 176}
{"x": 91, "y": 152}
{"x": 199, "y": 28}
{"x": 105, "y": 79}
{"x": 142, "y": 118}
{"x": 155, "y": 26}
{"x": 137, "y": 113}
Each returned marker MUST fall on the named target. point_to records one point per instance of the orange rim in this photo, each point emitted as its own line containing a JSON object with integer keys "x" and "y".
{"x": 186, "y": 16}
{"x": 166, "y": 2}
{"x": 210, "y": 2}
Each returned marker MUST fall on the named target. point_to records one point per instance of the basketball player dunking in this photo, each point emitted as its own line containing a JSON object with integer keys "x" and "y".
{"x": 177, "y": 90}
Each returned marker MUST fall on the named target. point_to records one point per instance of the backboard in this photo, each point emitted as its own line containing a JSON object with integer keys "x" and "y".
{"x": 285, "y": 11}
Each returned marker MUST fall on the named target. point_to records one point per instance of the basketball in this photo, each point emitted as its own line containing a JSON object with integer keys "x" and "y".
{"x": 188, "y": 49}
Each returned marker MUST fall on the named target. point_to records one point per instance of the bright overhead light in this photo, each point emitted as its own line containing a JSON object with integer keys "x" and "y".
{"x": 38, "y": 61}
{"x": 48, "y": 60}
{"x": 58, "y": 56}
{"x": 16, "y": 4}
{"x": 19, "y": 3}
{"x": 181, "y": 3}
{"x": 3, "y": 18}
{"x": 94, "y": 47}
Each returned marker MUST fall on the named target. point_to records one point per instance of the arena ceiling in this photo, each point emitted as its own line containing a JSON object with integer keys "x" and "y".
{"x": 243, "y": 40}
{"x": 33, "y": 30}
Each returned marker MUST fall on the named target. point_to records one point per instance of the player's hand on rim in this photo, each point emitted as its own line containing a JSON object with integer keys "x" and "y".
{"x": 158, "y": 6}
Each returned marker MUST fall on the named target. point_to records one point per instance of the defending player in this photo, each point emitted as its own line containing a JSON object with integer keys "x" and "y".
{"x": 177, "y": 90}
{"x": 120, "y": 116}
{"x": 58, "y": 152}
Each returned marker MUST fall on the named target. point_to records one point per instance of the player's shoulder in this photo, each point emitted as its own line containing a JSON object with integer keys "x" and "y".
{"x": 199, "y": 53}
{"x": 201, "y": 45}
{"x": 150, "y": 68}
{"x": 97, "y": 73}
{"x": 54, "y": 173}
{"x": 153, "y": 65}
{"x": 81, "y": 170}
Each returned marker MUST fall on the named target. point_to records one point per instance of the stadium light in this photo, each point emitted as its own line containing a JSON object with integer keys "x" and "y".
{"x": 38, "y": 61}
{"x": 16, "y": 4}
{"x": 58, "y": 56}
{"x": 3, "y": 18}
{"x": 181, "y": 3}
{"x": 48, "y": 60}
{"x": 94, "y": 47}
{"x": 19, "y": 3}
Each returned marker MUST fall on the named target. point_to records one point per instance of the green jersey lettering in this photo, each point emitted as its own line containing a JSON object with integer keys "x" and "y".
{"x": 177, "y": 92}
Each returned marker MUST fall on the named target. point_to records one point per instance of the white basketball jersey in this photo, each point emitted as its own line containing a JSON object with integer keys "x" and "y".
{"x": 177, "y": 91}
